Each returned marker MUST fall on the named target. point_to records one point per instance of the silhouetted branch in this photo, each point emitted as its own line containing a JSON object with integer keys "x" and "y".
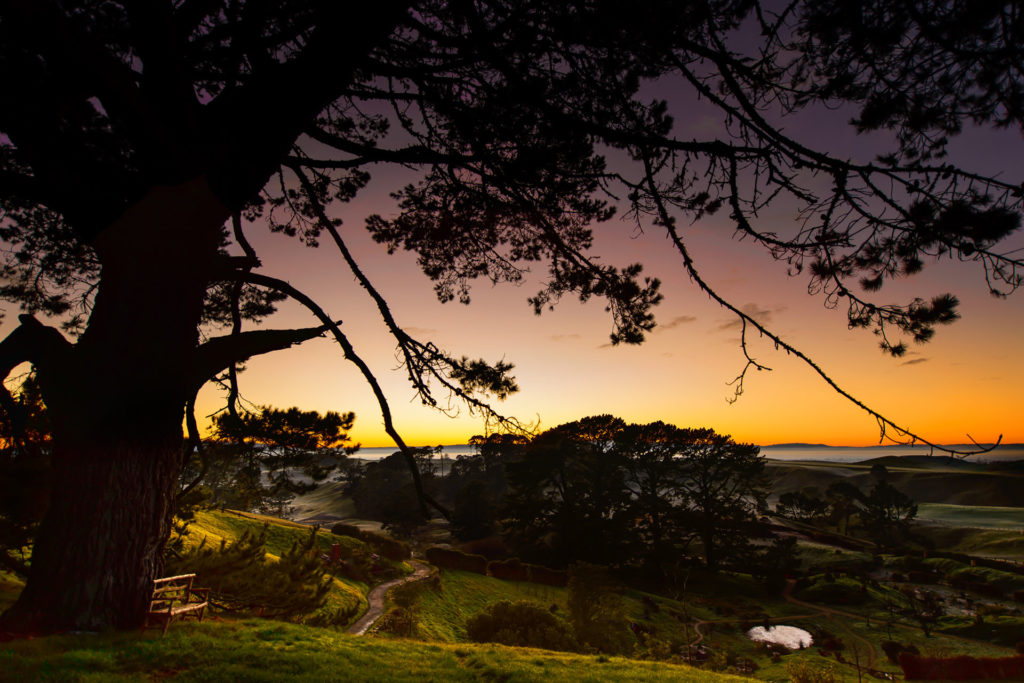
{"x": 223, "y": 352}
{"x": 886, "y": 425}
{"x": 422, "y": 361}
{"x": 350, "y": 354}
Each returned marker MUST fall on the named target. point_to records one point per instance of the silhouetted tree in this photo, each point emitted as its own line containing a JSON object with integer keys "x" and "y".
{"x": 259, "y": 461}
{"x": 887, "y": 514}
{"x": 475, "y": 512}
{"x": 721, "y": 487}
{"x": 653, "y": 456}
{"x": 133, "y": 133}
{"x": 567, "y": 499}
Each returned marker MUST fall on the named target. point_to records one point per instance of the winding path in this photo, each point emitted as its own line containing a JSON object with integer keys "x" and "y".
{"x": 378, "y": 594}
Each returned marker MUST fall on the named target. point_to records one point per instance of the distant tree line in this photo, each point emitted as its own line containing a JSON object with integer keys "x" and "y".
{"x": 882, "y": 514}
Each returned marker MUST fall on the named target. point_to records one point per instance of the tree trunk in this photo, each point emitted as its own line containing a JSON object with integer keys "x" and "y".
{"x": 116, "y": 400}
{"x": 101, "y": 542}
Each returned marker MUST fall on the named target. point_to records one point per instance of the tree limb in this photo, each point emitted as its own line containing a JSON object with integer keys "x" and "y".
{"x": 221, "y": 352}
{"x": 350, "y": 354}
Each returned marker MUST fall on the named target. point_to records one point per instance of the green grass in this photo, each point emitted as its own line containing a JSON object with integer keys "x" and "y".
{"x": 443, "y": 612}
{"x": 998, "y": 543}
{"x": 254, "y": 650}
{"x": 972, "y": 516}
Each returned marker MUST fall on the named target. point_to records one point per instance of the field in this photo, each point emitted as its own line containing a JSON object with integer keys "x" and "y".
{"x": 259, "y": 650}
{"x": 973, "y": 516}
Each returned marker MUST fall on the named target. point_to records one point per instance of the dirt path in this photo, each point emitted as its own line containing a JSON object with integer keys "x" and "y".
{"x": 377, "y": 595}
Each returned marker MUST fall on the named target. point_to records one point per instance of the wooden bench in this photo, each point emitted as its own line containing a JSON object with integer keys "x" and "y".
{"x": 174, "y": 596}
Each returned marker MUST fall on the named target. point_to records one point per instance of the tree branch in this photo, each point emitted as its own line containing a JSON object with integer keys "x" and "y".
{"x": 885, "y": 424}
{"x": 221, "y": 352}
{"x": 350, "y": 354}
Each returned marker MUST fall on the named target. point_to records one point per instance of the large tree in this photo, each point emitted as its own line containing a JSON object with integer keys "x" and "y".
{"x": 139, "y": 139}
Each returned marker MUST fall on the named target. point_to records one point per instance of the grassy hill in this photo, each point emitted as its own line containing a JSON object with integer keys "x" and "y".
{"x": 259, "y": 650}
{"x": 925, "y": 479}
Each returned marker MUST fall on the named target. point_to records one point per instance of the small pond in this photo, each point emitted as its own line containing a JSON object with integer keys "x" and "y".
{"x": 789, "y": 636}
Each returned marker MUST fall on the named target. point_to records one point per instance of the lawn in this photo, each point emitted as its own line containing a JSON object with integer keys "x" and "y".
{"x": 256, "y": 650}
{"x": 443, "y": 612}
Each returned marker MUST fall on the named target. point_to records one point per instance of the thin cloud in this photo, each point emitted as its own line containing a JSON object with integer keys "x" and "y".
{"x": 420, "y": 331}
{"x": 914, "y": 361}
{"x": 761, "y": 315}
{"x": 675, "y": 322}
{"x": 563, "y": 337}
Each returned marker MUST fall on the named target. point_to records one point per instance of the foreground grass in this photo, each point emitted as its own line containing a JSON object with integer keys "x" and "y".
{"x": 256, "y": 650}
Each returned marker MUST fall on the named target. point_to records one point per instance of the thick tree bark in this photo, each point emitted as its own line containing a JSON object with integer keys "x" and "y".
{"x": 116, "y": 401}
{"x": 101, "y": 542}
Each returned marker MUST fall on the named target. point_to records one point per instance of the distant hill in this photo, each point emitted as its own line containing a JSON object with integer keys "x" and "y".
{"x": 926, "y": 479}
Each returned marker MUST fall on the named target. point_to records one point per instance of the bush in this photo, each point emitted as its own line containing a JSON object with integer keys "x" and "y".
{"x": 351, "y": 530}
{"x": 399, "y": 621}
{"x": 407, "y": 594}
{"x": 522, "y": 624}
{"x": 446, "y": 558}
{"x": 240, "y": 577}
{"x": 893, "y": 650}
{"x": 596, "y": 609}
{"x": 803, "y": 671}
{"x": 393, "y": 549}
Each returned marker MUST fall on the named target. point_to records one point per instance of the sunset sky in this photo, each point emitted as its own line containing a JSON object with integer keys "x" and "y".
{"x": 968, "y": 381}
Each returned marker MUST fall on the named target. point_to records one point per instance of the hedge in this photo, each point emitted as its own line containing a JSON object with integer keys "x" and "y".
{"x": 445, "y": 558}
{"x": 961, "y": 668}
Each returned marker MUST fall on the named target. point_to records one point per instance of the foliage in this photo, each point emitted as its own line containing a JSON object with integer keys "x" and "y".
{"x": 475, "y": 513}
{"x": 887, "y": 514}
{"x": 133, "y": 134}
{"x": 596, "y": 610}
{"x": 800, "y": 506}
{"x": 522, "y": 624}
{"x": 253, "y": 458}
{"x": 241, "y": 578}
{"x": 25, "y": 442}
{"x": 569, "y": 489}
{"x": 646, "y": 490}
{"x": 803, "y": 671}
{"x": 398, "y": 621}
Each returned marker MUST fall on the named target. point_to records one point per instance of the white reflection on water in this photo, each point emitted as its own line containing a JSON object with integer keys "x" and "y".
{"x": 790, "y": 636}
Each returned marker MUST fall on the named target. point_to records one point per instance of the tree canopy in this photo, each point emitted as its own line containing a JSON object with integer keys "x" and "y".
{"x": 140, "y": 141}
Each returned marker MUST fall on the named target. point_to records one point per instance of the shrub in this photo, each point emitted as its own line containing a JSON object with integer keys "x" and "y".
{"x": 893, "y": 650}
{"x": 596, "y": 610}
{"x": 241, "y": 578}
{"x": 407, "y": 595}
{"x": 342, "y": 529}
{"x": 803, "y": 671}
{"x": 390, "y": 548}
{"x": 398, "y": 621}
{"x": 446, "y": 558}
{"x": 522, "y": 624}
